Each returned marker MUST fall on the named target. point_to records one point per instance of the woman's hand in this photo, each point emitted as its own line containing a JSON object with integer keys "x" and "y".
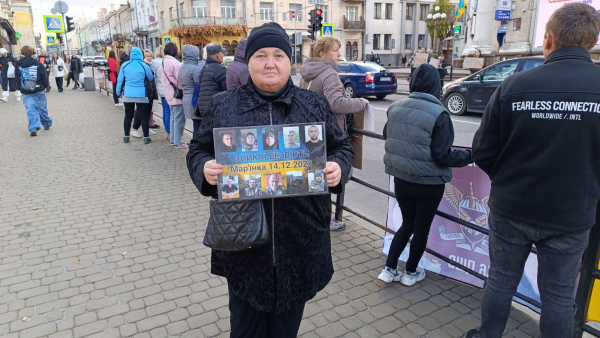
{"x": 365, "y": 100}
{"x": 211, "y": 170}
{"x": 334, "y": 174}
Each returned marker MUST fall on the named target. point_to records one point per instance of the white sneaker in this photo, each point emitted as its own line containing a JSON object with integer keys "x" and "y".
{"x": 388, "y": 275}
{"x": 18, "y": 98}
{"x": 136, "y": 133}
{"x": 151, "y": 132}
{"x": 120, "y": 104}
{"x": 4, "y": 99}
{"x": 410, "y": 278}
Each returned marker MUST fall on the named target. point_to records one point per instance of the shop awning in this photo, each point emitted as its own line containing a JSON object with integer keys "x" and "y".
{"x": 4, "y": 24}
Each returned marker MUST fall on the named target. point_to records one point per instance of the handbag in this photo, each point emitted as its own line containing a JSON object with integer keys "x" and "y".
{"x": 60, "y": 68}
{"x": 10, "y": 71}
{"x": 177, "y": 92}
{"x": 236, "y": 226}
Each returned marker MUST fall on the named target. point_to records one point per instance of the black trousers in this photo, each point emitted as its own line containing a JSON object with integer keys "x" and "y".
{"x": 69, "y": 78}
{"x": 115, "y": 96}
{"x": 247, "y": 322}
{"x": 418, "y": 203}
{"x": 59, "y": 83}
{"x": 137, "y": 122}
{"x": 142, "y": 111}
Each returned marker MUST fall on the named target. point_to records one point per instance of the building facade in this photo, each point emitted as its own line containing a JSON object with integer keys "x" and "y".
{"x": 16, "y": 25}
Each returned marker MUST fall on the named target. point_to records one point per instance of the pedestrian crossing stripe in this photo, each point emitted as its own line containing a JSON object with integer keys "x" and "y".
{"x": 53, "y": 24}
{"x": 328, "y": 30}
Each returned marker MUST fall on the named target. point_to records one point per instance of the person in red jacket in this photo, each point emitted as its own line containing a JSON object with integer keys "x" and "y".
{"x": 112, "y": 66}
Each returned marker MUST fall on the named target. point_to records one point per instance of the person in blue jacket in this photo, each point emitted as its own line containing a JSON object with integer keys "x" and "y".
{"x": 130, "y": 84}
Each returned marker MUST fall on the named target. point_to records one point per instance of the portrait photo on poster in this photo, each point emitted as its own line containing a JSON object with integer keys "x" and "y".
{"x": 271, "y": 161}
{"x": 230, "y": 187}
{"x": 249, "y": 139}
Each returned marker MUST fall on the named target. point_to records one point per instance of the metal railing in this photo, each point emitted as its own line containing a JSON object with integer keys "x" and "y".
{"x": 589, "y": 270}
{"x": 354, "y": 25}
{"x": 204, "y": 21}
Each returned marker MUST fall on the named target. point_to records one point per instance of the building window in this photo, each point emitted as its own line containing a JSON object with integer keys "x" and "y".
{"x": 228, "y": 9}
{"x": 355, "y": 51}
{"x": 324, "y": 9}
{"x": 377, "y": 11}
{"x": 352, "y": 13}
{"x": 266, "y": 11}
{"x": 226, "y": 46}
{"x": 172, "y": 14}
{"x": 424, "y": 12}
{"x": 517, "y": 24}
{"x": 389, "y": 11}
{"x": 297, "y": 8}
{"x": 387, "y": 41}
{"x": 408, "y": 41}
{"x": 376, "y": 38}
{"x": 162, "y": 19}
{"x": 421, "y": 40}
{"x": 348, "y": 51}
{"x": 410, "y": 8}
{"x": 199, "y": 8}
{"x": 182, "y": 10}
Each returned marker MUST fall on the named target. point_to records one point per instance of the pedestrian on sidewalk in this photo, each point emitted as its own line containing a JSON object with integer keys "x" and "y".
{"x": 403, "y": 60}
{"x": 186, "y": 78}
{"x": 170, "y": 81}
{"x": 68, "y": 72}
{"x": 125, "y": 54}
{"x": 58, "y": 71}
{"x": 113, "y": 70}
{"x": 237, "y": 72}
{"x": 269, "y": 285}
{"x": 33, "y": 81}
{"x": 545, "y": 193}
{"x": 151, "y": 94}
{"x": 212, "y": 79}
{"x": 76, "y": 68}
{"x": 320, "y": 74}
{"x": 418, "y": 153}
{"x": 131, "y": 83}
{"x": 46, "y": 60}
{"x": 156, "y": 67}
{"x": 9, "y": 81}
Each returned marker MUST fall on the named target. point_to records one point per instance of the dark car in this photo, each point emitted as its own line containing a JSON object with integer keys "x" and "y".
{"x": 472, "y": 93}
{"x": 362, "y": 79}
{"x": 100, "y": 61}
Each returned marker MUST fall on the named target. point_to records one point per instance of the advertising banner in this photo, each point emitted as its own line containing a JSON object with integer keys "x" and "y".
{"x": 271, "y": 161}
{"x": 545, "y": 10}
{"x": 466, "y": 197}
{"x": 23, "y": 18}
{"x": 101, "y": 79}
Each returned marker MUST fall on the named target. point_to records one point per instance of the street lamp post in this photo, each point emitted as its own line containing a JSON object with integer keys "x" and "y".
{"x": 436, "y": 20}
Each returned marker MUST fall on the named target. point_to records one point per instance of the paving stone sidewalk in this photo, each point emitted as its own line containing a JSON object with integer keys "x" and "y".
{"x": 104, "y": 239}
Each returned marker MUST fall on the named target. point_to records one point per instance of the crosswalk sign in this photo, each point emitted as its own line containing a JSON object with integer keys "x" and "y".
{"x": 53, "y": 24}
{"x": 166, "y": 39}
{"x": 328, "y": 30}
{"x": 51, "y": 40}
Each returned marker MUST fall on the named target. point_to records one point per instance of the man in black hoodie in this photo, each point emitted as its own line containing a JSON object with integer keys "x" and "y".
{"x": 540, "y": 145}
{"x": 33, "y": 81}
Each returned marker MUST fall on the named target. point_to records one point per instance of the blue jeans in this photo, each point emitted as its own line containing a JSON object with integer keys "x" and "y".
{"x": 166, "y": 114}
{"x": 559, "y": 255}
{"x": 177, "y": 124}
{"x": 37, "y": 111}
{"x": 197, "y": 124}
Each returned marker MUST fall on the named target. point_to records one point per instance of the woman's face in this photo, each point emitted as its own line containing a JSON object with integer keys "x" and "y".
{"x": 269, "y": 69}
{"x": 250, "y": 139}
{"x": 477, "y": 54}
{"x": 333, "y": 55}
{"x": 148, "y": 57}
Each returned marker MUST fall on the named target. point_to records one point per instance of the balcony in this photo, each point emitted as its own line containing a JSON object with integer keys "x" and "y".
{"x": 354, "y": 0}
{"x": 191, "y": 21}
{"x": 354, "y": 25}
{"x": 141, "y": 30}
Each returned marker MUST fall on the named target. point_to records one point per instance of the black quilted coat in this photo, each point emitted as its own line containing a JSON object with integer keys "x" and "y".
{"x": 301, "y": 264}
{"x": 213, "y": 81}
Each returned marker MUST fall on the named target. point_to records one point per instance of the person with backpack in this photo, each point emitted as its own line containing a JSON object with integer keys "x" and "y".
{"x": 132, "y": 84}
{"x": 188, "y": 83}
{"x": 8, "y": 79}
{"x": 152, "y": 95}
{"x": 33, "y": 81}
{"x": 170, "y": 82}
{"x": 212, "y": 79}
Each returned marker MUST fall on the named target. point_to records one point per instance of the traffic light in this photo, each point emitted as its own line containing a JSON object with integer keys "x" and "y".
{"x": 59, "y": 37}
{"x": 70, "y": 24}
{"x": 312, "y": 26}
{"x": 318, "y": 19}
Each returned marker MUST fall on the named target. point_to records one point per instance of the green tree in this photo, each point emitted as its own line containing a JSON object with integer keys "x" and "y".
{"x": 444, "y": 26}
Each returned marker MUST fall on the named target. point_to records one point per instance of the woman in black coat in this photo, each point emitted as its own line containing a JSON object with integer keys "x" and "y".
{"x": 269, "y": 285}
{"x": 8, "y": 84}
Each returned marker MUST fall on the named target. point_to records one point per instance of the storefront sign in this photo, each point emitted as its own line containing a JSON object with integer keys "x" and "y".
{"x": 271, "y": 161}
{"x": 23, "y": 18}
{"x": 457, "y": 30}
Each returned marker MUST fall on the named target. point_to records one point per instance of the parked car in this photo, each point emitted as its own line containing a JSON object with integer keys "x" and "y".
{"x": 362, "y": 79}
{"x": 472, "y": 93}
{"x": 86, "y": 60}
{"x": 99, "y": 61}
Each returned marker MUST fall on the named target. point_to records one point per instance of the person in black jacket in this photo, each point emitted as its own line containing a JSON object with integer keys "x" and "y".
{"x": 269, "y": 285}
{"x": 418, "y": 145}
{"x": 76, "y": 69}
{"x": 212, "y": 78}
{"x": 9, "y": 84}
{"x": 33, "y": 81}
{"x": 539, "y": 144}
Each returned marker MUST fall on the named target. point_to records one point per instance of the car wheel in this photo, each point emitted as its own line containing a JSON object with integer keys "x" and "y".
{"x": 380, "y": 97}
{"x": 349, "y": 91}
{"x": 456, "y": 104}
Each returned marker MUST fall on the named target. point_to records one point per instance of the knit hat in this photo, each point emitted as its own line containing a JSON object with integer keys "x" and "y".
{"x": 269, "y": 34}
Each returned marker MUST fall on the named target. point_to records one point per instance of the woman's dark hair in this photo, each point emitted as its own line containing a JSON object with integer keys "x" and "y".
{"x": 171, "y": 49}
{"x": 112, "y": 55}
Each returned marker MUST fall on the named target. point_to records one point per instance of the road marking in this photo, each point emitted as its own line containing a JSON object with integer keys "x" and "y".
{"x": 453, "y": 119}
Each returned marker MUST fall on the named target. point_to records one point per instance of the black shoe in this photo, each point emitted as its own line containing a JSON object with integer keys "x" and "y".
{"x": 75, "y": 88}
{"x": 147, "y": 140}
{"x": 33, "y": 133}
{"x": 125, "y": 139}
{"x": 156, "y": 126}
{"x": 472, "y": 334}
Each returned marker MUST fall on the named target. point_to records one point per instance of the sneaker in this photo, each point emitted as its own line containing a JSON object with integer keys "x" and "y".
{"x": 125, "y": 139}
{"x": 151, "y": 132}
{"x": 120, "y": 104}
{"x": 388, "y": 275}
{"x": 4, "y": 99}
{"x": 147, "y": 140}
{"x": 136, "y": 133}
{"x": 336, "y": 225}
{"x": 411, "y": 278}
{"x": 18, "y": 98}
{"x": 472, "y": 334}
{"x": 182, "y": 146}
{"x": 74, "y": 88}
{"x": 33, "y": 133}
{"x": 156, "y": 126}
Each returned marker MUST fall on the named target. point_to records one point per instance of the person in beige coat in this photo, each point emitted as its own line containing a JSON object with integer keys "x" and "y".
{"x": 320, "y": 74}
{"x": 320, "y": 71}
